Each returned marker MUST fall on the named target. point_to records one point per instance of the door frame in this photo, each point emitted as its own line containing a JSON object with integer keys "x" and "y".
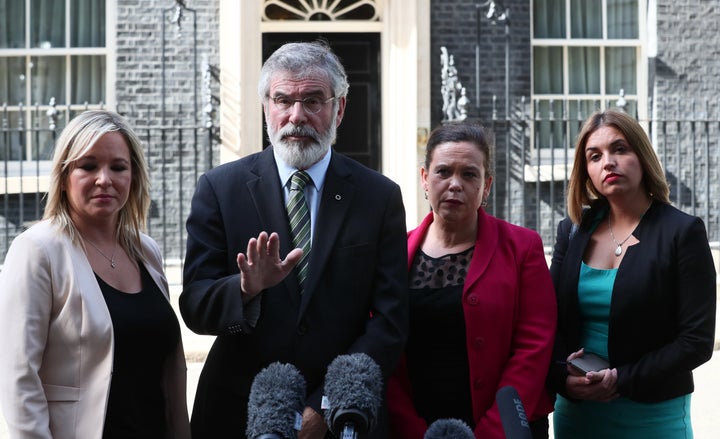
{"x": 404, "y": 28}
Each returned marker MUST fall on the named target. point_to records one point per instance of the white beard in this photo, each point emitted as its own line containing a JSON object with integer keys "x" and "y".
{"x": 297, "y": 154}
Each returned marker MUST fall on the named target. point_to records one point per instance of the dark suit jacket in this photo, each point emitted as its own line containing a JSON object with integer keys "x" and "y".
{"x": 662, "y": 311}
{"x": 355, "y": 297}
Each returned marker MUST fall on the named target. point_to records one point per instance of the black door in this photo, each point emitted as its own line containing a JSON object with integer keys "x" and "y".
{"x": 360, "y": 132}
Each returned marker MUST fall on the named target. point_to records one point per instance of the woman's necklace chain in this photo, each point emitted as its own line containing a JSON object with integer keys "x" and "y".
{"x": 618, "y": 245}
{"x": 111, "y": 259}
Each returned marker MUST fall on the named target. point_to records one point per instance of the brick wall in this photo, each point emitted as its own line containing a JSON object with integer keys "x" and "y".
{"x": 176, "y": 156}
{"x": 685, "y": 76}
{"x": 684, "y": 82}
{"x": 454, "y": 25}
{"x": 688, "y": 58}
{"x": 139, "y": 63}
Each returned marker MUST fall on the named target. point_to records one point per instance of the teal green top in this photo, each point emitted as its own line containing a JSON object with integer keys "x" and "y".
{"x": 622, "y": 417}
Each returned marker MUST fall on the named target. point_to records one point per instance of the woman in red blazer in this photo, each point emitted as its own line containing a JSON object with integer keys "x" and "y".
{"x": 482, "y": 305}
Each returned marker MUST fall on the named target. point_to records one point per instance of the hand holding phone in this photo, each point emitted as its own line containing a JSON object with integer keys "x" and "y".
{"x": 589, "y": 362}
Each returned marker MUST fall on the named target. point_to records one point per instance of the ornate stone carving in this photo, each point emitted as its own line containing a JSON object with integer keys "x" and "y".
{"x": 320, "y": 10}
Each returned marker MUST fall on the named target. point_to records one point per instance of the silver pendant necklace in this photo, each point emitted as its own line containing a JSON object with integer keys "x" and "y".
{"x": 111, "y": 259}
{"x": 618, "y": 245}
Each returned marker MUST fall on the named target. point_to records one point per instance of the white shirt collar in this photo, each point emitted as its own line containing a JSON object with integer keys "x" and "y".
{"x": 316, "y": 172}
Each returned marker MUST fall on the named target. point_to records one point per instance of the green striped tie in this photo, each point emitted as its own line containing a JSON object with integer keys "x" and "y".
{"x": 299, "y": 216}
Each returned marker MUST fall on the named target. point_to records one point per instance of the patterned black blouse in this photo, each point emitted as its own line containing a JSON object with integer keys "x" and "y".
{"x": 436, "y": 350}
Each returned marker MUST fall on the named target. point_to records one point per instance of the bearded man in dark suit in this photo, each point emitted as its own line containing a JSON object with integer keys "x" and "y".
{"x": 343, "y": 291}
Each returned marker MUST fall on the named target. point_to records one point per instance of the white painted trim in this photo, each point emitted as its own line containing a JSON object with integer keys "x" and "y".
{"x": 405, "y": 97}
{"x": 405, "y": 84}
{"x": 240, "y": 62}
{"x": 111, "y": 54}
{"x": 326, "y": 26}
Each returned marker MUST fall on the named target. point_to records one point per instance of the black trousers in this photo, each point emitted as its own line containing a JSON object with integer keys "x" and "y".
{"x": 539, "y": 428}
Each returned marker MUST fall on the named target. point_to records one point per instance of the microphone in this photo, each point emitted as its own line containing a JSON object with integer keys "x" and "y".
{"x": 353, "y": 387}
{"x": 449, "y": 429}
{"x": 276, "y": 403}
{"x": 512, "y": 414}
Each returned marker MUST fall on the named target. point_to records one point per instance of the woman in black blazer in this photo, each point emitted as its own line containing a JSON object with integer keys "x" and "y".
{"x": 635, "y": 284}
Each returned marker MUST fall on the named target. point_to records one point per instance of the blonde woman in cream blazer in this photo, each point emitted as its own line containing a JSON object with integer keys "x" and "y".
{"x": 57, "y": 338}
{"x": 57, "y": 334}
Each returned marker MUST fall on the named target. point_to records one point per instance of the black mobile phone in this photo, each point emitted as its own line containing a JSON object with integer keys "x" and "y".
{"x": 589, "y": 362}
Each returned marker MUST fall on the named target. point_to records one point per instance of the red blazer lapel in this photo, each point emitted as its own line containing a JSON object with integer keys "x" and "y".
{"x": 485, "y": 246}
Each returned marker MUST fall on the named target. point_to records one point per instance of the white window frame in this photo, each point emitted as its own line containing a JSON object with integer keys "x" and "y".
{"x": 22, "y": 174}
{"x": 546, "y": 170}
{"x": 109, "y": 52}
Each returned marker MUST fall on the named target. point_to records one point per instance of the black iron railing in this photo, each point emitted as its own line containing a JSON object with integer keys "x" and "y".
{"x": 532, "y": 168}
{"x": 176, "y": 156}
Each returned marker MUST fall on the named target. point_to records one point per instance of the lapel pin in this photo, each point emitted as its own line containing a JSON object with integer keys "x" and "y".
{"x": 338, "y": 197}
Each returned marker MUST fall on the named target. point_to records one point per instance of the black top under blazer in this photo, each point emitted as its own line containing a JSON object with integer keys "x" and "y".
{"x": 662, "y": 311}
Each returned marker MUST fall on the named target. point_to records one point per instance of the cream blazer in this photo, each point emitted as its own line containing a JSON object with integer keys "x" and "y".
{"x": 56, "y": 340}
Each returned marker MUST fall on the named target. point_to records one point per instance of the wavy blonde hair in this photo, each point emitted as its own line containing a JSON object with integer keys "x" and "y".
{"x": 80, "y": 134}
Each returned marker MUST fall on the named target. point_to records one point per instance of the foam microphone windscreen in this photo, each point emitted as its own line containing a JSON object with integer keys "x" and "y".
{"x": 276, "y": 403}
{"x": 449, "y": 429}
{"x": 512, "y": 414}
{"x": 353, "y": 387}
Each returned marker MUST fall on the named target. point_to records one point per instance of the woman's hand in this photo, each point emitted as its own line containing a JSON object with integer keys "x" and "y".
{"x": 592, "y": 386}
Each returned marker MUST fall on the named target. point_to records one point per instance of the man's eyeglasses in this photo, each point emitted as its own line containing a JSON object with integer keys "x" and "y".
{"x": 311, "y": 104}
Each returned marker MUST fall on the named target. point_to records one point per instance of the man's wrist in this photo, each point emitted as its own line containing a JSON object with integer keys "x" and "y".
{"x": 247, "y": 297}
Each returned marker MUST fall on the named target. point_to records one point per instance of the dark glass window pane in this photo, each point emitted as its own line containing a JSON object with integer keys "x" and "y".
{"x": 622, "y": 19}
{"x": 549, "y": 18}
{"x": 620, "y": 70}
{"x": 363, "y": 12}
{"x": 584, "y": 70}
{"x": 578, "y": 111}
{"x": 48, "y": 79}
{"x": 586, "y": 18}
{"x": 549, "y": 127}
{"x": 547, "y": 70}
{"x": 12, "y": 24}
{"x": 42, "y": 138}
{"x": 88, "y": 79}
{"x": 87, "y": 23}
{"x": 12, "y": 80}
{"x": 47, "y": 23}
{"x": 11, "y": 141}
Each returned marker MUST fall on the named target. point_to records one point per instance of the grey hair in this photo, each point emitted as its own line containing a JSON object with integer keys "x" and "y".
{"x": 305, "y": 60}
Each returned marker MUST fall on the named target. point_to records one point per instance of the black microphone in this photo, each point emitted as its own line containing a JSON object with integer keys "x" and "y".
{"x": 353, "y": 387}
{"x": 276, "y": 403}
{"x": 512, "y": 414}
{"x": 449, "y": 429}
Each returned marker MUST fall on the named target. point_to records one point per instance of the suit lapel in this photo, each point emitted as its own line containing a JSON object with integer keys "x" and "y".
{"x": 267, "y": 197}
{"x": 485, "y": 248}
{"x": 338, "y": 192}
